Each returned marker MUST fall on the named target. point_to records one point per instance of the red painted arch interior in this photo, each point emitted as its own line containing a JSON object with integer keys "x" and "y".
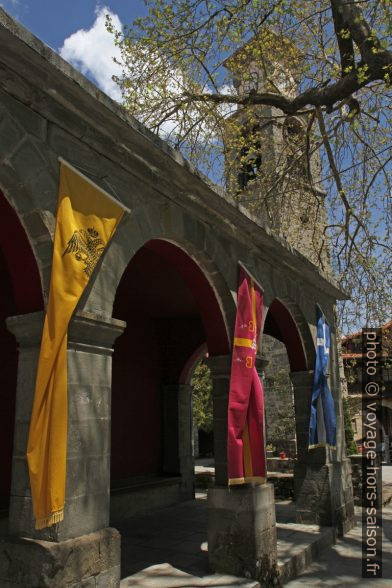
{"x": 20, "y": 261}
{"x": 205, "y": 301}
{"x": 20, "y": 293}
{"x": 171, "y": 310}
{"x": 280, "y": 324}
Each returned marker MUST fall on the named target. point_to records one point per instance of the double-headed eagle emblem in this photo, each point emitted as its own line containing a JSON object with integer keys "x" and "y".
{"x": 87, "y": 247}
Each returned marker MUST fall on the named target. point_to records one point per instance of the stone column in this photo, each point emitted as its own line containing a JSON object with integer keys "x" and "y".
{"x": 83, "y": 541}
{"x": 178, "y": 458}
{"x": 195, "y": 441}
{"x": 171, "y": 461}
{"x": 220, "y": 367}
{"x": 185, "y": 431}
{"x": 241, "y": 519}
{"x": 387, "y": 455}
{"x": 302, "y": 386}
{"x": 322, "y": 479}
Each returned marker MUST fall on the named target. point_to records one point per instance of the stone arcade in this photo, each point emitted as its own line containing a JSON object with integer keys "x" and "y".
{"x": 163, "y": 294}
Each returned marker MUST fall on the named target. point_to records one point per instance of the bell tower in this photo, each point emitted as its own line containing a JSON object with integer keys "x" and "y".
{"x": 271, "y": 168}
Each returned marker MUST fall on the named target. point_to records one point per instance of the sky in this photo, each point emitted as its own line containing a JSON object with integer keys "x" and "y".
{"x": 76, "y": 30}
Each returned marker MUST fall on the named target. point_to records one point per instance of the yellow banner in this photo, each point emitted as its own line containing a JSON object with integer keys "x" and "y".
{"x": 86, "y": 220}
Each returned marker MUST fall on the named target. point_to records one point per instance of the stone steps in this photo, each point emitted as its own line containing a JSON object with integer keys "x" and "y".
{"x": 300, "y": 545}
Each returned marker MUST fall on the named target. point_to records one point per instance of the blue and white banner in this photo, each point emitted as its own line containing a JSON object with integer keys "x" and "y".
{"x": 322, "y": 426}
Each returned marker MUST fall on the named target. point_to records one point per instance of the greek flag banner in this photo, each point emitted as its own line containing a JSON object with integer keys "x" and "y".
{"x": 322, "y": 426}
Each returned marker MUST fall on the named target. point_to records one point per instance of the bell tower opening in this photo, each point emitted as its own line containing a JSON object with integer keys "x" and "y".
{"x": 270, "y": 165}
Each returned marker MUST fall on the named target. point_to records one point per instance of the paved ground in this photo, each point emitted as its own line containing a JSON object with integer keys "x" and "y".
{"x": 177, "y": 557}
{"x": 172, "y": 544}
{"x": 340, "y": 565}
{"x": 175, "y": 535}
{"x": 166, "y": 576}
{"x": 387, "y": 484}
{"x": 387, "y": 474}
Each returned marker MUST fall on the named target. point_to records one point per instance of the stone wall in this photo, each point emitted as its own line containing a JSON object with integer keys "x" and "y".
{"x": 278, "y": 395}
{"x": 90, "y": 561}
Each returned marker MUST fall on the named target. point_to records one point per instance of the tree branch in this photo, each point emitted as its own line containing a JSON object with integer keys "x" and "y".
{"x": 345, "y": 43}
{"x": 375, "y": 65}
{"x": 318, "y": 96}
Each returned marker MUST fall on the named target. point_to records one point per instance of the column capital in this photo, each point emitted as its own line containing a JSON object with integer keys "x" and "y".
{"x": 185, "y": 389}
{"x": 302, "y": 378}
{"x": 27, "y": 328}
{"x": 220, "y": 365}
{"x": 86, "y": 330}
{"x": 261, "y": 363}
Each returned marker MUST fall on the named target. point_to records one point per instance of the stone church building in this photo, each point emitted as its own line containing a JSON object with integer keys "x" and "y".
{"x": 163, "y": 294}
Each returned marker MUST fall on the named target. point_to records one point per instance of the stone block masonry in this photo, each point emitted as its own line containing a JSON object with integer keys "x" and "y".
{"x": 242, "y": 531}
{"x": 89, "y": 560}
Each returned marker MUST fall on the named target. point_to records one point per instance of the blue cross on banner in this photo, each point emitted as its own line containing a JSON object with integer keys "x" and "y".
{"x": 322, "y": 426}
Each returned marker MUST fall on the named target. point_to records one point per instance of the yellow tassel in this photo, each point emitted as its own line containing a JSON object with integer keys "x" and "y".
{"x": 247, "y": 480}
{"x": 54, "y": 518}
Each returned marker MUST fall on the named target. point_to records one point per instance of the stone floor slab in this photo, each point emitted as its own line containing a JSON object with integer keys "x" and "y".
{"x": 166, "y": 576}
{"x": 341, "y": 564}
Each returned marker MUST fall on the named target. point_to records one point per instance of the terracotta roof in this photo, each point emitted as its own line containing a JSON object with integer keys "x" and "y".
{"x": 385, "y": 327}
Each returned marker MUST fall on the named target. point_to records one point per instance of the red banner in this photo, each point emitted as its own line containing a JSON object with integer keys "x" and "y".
{"x": 246, "y": 459}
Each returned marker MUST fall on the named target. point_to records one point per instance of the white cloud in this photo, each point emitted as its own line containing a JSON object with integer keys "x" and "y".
{"x": 92, "y": 52}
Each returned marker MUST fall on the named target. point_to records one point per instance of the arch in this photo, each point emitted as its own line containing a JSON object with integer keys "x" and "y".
{"x": 205, "y": 298}
{"x": 171, "y": 311}
{"x": 20, "y": 292}
{"x": 188, "y": 369}
{"x": 280, "y": 324}
{"x": 20, "y": 261}
{"x": 166, "y": 223}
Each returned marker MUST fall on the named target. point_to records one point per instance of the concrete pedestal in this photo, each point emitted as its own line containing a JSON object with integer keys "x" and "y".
{"x": 242, "y": 531}
{"x": 88, "y": 561}
{"x": 322, "y": 498}
{"x": 322, "y": 477}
